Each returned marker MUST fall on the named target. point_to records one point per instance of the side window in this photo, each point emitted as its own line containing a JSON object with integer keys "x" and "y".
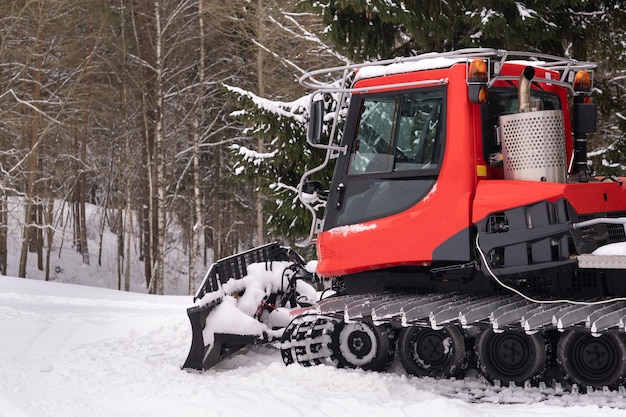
{"x": 397, "y": 133}
{"x": 418, "y": 142}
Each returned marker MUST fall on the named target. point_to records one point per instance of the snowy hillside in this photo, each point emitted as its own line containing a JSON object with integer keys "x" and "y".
{"x": 76, "y": 351}
{"x": 66, "y": 264}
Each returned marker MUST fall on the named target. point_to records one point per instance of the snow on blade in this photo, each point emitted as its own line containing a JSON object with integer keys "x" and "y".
{"x": 311, "y": 266}
{"x": 241, "y": 299}
{"x": 228, "y": 318}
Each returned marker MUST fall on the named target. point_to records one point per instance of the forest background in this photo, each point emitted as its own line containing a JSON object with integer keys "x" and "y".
{"x": 182, "y": 121}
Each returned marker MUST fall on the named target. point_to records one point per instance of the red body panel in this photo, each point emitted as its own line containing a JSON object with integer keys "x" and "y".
{"x": 594, "y": 197}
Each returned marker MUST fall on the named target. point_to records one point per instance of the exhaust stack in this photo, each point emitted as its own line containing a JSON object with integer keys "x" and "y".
{"x": 523, "y": 91}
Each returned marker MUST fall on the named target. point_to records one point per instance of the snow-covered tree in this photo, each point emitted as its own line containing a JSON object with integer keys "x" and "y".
{"x": 278, "y": 171}
{"x": 608, "y": 145}
{"x": 374, "y": 29}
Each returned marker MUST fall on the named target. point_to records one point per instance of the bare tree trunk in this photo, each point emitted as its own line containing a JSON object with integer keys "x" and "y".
{"x": 125, "y": 229}
{"x": 197, "y": 227}
{"x": 128, "y": 235}
{"x": 119, "y": 232}
{"x": 217, "y": 227}
{"x": 103, "y": 222}
{"x": 143, "y": 40}
{"x": 30, "y": 234}
{"x": 3, "y": 233}
{"x": 159, "y": 160}
{"x": 208, "y": 243}
{"x": 84, "y": 135}
{"x": 49, "y": 232}
{"x": 39, "y": 231}
{"x": 260, "y": 237}
{"x": 128, "y": 208}
{"x": 84, "y": 250}
{"x": 24, "y": 251}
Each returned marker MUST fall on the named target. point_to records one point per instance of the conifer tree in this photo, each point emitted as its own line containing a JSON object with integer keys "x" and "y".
{"x": 278, "y": 171}
{"x": 378, "y": 29}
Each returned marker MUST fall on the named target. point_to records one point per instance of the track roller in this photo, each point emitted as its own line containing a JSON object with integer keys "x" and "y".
{"x": 593, "y": 361}
{"x": 511, "y": 356}
{"x": 362, "y": 345}
{"x": 435, "y": 353}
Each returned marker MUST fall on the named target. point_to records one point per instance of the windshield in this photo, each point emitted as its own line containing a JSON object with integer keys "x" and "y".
{"x": 398, "y": 133}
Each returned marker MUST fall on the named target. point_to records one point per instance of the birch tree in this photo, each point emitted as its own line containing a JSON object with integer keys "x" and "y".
{"x": 198, "y": 119}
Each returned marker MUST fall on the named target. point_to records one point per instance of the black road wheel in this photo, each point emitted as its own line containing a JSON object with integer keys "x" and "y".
{"x": 436, "y": 353}
{"x": 363, "y": 345}
{"x": 511, "y": 355}
{"x": 593, "y": 361}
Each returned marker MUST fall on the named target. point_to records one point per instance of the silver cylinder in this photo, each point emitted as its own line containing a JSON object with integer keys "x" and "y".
{"x": 533, "y": 146}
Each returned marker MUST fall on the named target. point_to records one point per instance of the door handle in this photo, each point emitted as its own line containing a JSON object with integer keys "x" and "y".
{"x": 341, "y": 191}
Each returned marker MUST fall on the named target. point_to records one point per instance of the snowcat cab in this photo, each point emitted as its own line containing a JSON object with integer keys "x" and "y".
{"x": 462, "y": 228}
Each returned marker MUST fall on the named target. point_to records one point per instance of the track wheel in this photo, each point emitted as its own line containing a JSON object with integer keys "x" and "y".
{"x": 363, "y": 345}
{"x": 593, "y": 361}
{"x": 511, "y": 356}
{"x": 436, "y": 353}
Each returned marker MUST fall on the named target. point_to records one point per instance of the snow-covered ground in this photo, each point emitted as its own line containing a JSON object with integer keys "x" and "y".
{"x": 71, "y": 350}
{"x": 74, "y": 350}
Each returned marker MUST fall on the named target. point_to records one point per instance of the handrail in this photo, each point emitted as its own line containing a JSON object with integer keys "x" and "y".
{"x": 442, "y": 60}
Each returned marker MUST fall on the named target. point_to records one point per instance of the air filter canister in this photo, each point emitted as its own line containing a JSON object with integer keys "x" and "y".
{"x": 533, "y": 146}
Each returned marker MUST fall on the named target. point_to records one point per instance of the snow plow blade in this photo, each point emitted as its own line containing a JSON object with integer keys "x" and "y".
{"x": 224, "y": 287}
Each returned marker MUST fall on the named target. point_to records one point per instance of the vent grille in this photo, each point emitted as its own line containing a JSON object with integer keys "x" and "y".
{"x": 584, "y": 280}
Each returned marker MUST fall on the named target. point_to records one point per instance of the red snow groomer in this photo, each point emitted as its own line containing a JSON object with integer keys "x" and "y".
{"x": 462, "y": 229}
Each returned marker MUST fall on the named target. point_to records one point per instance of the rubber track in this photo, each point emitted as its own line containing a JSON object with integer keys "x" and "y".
{"x": 498, "y": 312}
{"x": 478, "y": 390}
{"x": 307, "y": 339}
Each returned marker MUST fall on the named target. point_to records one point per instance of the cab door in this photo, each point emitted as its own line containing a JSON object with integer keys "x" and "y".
{"x": 395, "y": 142}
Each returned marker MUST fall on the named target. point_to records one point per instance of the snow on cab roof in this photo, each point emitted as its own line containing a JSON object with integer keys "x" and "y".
{"x": 436, "y": 62}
